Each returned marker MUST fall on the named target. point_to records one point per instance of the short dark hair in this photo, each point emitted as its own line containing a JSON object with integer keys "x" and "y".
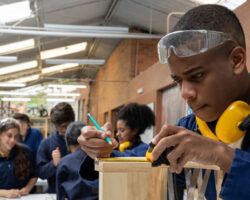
{"x": 212, "y": 17}
{"x": 22, "y": 117}
{"x": 137, "y": 117}
{"x": 61, "y": 113}
{"x": 73, "y": 132}
{"x": 9, "y": 123}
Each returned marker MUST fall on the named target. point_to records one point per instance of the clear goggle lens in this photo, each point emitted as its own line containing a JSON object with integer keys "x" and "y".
{"x": 189, "y": 43}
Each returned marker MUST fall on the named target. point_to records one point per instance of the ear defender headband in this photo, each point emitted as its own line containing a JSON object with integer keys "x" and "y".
{"x": 232, "y": 124}
{"x": 123, "y": 146}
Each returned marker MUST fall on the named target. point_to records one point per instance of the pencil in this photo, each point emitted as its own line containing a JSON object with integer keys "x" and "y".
{"x": 99, "y": 128}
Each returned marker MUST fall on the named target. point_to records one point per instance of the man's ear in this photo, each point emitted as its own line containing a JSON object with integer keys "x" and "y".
{"x": 238, "y": 59}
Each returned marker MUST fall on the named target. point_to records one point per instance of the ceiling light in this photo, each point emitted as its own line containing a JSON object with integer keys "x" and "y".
{"x": 15, "y": 11}
{"x": 60, "y": 100}
{"x": 5, "y": 84}
{"x": 17, "y": 46}
{"x": 63, "y": 50}
{"x": 8, "y": 59}
{"x": 64, "y": 94}
{"x": 16, "y": 99}
{"x": 18, "y": 67}
{"x": 22, "y": 30}
{"x": 25, "y": 79}
{"x": 67, "y": 86}
{"x": 14, "y": 93}
{"x": 59, "y": 68}
{"x": 90, "y": 29}
{"x": 78, "y": 61}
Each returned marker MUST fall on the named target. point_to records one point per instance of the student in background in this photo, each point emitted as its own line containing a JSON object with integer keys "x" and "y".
{"x": 32, "y": 137}
{"x": 53, "y": 148}
{"x": 69, "y": 184}
{"x": 133, "y": 120}
{"x": 17, "y": 165}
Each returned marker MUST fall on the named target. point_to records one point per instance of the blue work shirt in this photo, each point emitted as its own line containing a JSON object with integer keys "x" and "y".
{"x": 33, "y": 139}
{"x": 236, "y": 182}
{"x": 8, "y": 179}
{"x": 44, "y": 161}
{"x": 69, "y": 183}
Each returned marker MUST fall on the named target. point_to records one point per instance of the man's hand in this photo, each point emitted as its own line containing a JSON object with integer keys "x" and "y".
{"x": 190, "y": 146}
{"x": 92, "y": 141}
{"x": 56, "y": 156}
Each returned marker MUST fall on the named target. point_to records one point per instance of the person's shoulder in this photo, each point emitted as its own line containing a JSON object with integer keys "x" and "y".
{"x": 67, "y": 161}
{"x": 188, "y": 121}
{"x": 48, "y": 139}
{"x": 24, "y": 147}
{"x": 36, "y": 130}
{"x": 74, "y": 157}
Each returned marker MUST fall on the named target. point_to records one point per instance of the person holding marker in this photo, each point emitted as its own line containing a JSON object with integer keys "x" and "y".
{"x": 206, "y": 54}
{"x": 99, "y": 128}
{"x": 133, "y": 120}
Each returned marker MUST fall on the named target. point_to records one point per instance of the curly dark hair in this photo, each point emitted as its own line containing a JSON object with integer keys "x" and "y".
{"x": 137, "y": 117}
{"x": 61, "y": 113}
{"x": 212, "y": 17}
{"x": 21, "y": 159}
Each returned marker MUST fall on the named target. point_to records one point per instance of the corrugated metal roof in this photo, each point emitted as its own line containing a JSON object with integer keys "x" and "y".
{"x": 149, "y": 16}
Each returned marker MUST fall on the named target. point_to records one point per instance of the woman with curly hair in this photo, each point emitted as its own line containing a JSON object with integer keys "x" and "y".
{"x": 17, "y": 165}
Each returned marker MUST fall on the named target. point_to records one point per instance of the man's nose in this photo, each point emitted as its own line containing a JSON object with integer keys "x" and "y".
{"x": 188, "y": 91}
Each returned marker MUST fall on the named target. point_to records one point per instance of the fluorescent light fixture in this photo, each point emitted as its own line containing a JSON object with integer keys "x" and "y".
{"x": 59, "y": 100}
{"x": 16, "y": 99}
{"x": 17, "y": 46}
{"x": 78, "y": 61}
{"x": 86, "y": 29}
{"x": 8, "y": 59}
{"x": 5, "y": 84}
{"x": 231, "y": 4}
{"x": 14, "y": 93}
{"x": 38, "y": 31}
{"x": 63, "y": 50}
{"x": 67, "y": 86}
{"x": 25, "y": 79}
{"x": 18, "y": 67}
{"x": 63, "y": 94}
{"x": 15, "y": 11}
{"x": 59, "y": 68}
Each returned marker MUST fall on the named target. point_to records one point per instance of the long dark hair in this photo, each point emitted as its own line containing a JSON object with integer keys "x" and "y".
{"x": 21, "y": 160}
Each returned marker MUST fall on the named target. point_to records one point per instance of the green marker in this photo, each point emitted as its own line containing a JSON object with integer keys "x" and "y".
{"x": 99, "y": 128}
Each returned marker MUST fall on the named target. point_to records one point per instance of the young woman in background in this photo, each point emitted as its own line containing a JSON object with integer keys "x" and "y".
{"x": 17, "y": 165}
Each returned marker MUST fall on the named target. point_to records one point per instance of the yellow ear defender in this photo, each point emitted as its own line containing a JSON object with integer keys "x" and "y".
{"x": 232, "y": 124}
{"x": 123, "y": 146}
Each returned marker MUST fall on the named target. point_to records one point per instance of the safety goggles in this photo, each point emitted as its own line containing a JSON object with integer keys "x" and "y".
{"x": 189, "y": 43}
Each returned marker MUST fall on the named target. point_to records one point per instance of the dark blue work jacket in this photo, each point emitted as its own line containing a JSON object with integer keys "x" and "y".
{"x": 236, "y": 184}
{"x": 44, "y": 161}
{"x": 8, "y": 179}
